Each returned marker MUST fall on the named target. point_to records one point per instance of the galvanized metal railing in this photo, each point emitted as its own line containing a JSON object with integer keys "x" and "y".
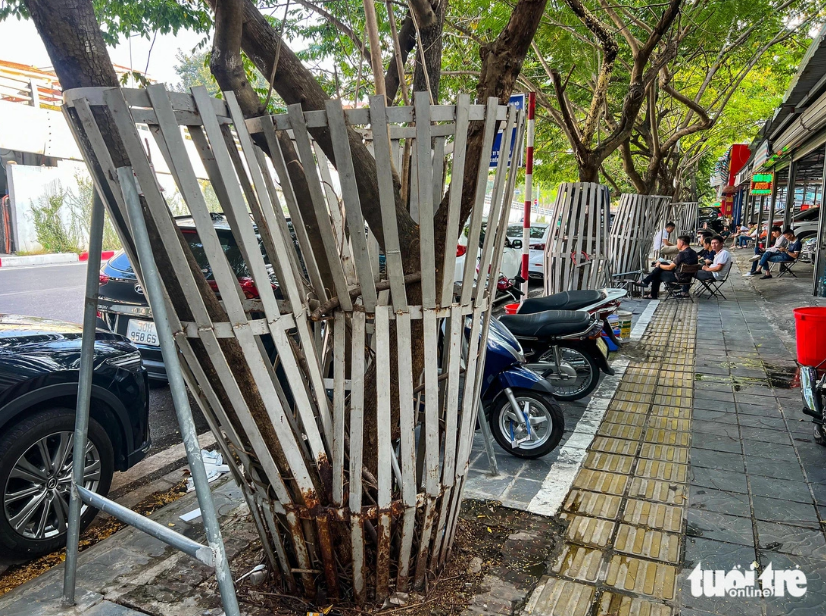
{"x": 352, "y": 444}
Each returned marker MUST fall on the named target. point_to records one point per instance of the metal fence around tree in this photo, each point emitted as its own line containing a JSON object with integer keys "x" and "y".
{"x": 351, "y": 459}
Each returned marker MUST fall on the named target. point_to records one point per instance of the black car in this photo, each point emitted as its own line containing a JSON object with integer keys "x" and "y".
{"x": 39, "y": 368}
{"x": 122, "y": 306}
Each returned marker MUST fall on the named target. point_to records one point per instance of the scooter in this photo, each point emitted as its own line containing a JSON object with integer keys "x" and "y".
{"x": 519, "y": 404}
{"x": 564, "y": 347}
{"x": 814, "y": 392}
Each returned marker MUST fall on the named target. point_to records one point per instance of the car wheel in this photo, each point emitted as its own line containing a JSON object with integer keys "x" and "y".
{"x": 35, "y": 478}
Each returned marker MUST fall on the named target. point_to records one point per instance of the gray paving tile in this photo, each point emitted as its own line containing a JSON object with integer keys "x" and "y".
{"x": 523, "y": 490}
{"x": 747, "y": 408}
{"x": 819, "y": 490}
{"x": 719, "y": 526}
{"x": 716, "y": 554}
{"x": 813, "y": 603}
{"x": 759, "y": 421}
{"x": 714, "y": 416}
{"x": 718, "y": 479}
{"x": 714, "y": 428}
{"x": 779, "y": 469}
{"x": 483, "y": 486}
{"x": 815, "y": 473}
{"x": 712, "y": 405}
{"x": 796, "y": 540}
{"x": 710, "y": 458}
{"x": 797, "y": 491}
{"x": 785, "y": 511}
{"x": 775, "y": 451}
{"x": 766, "y": 436}
{"x": 536, "y": 469}
{"x": 709, "y": 499}
{"x": 720, "y": 396}
{"x": 717, "y": 443}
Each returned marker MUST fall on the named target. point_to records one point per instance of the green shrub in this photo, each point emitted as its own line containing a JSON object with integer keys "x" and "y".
{"x": 53, "y": 234}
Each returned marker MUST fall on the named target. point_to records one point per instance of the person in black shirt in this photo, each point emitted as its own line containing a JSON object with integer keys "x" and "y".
{"x": 667, "y": 272}
{"x": 706, "y": 255}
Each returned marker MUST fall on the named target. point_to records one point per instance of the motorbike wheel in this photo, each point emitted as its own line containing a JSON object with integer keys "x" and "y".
{"x": 819, "y": 435}
{"x": 587, "y": 373}
{"x": 546, "y": 420}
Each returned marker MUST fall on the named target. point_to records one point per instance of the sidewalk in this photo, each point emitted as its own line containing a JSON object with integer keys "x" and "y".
{"x": 695, "y": 453}
{"x": 703, "y": 458}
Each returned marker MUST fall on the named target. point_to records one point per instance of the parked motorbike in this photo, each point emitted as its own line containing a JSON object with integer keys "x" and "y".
{"x": 814, "y": 391}
{"x": 564, "y": 347}
{"x": 519, "y": 404}
{"x": 602, "y": 302}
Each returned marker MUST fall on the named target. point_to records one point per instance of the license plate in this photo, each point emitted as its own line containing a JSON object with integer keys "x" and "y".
{"x": 603, "y": 348}
{"x": 142, "y": 332}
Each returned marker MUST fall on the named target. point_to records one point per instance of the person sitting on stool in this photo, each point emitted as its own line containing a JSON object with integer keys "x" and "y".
{"x": 666, "y": 272}
{"x": 661, "y": 243}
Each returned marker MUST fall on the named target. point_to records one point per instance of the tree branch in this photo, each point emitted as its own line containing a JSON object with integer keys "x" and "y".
{"x": 341, "y": 26}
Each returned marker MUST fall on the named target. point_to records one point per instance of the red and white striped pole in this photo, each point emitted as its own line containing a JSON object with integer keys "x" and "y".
{"x": 526, "y": 222}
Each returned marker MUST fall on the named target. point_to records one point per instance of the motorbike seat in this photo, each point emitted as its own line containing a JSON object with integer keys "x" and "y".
{"x": 567, "y": 300}
{"x": 546, "y": 324}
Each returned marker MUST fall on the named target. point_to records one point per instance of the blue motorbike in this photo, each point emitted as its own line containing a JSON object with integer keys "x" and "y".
{"x": 519, "y": 405}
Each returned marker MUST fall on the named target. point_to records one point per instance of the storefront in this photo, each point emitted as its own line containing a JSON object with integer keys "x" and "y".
{"x": 783, "y": 181}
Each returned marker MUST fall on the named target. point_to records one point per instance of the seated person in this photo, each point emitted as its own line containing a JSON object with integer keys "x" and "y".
{"x": 719, "y": 267}
{"x": 666, "y": 272}
{"x": 785, "y": 254}
{"x": 661, "y": 242}
{"x": 745, "y": 234}
{"x": 780, "y": 241}
{"x": 706, "y": 255}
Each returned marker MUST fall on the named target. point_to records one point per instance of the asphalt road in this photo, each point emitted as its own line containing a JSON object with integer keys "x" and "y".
{"x": 56, "y": 292}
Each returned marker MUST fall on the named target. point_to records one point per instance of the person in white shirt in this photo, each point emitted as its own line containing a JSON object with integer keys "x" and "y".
{"x": 661, "y": 243}
{"x": 718, "y": 270}
{"x": 780, "y": 243}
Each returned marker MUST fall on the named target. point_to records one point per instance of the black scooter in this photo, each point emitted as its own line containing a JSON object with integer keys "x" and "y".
{"x": 564, "y": 346}
{"x": 814, "y": 392}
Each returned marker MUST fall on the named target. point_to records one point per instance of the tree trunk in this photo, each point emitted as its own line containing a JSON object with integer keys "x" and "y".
{"x": 431, "y": 46}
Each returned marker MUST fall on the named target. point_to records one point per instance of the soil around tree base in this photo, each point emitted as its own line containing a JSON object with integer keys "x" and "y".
{"x": 499, "y": 555}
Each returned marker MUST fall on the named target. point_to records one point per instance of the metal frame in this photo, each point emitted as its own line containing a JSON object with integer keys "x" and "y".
{"x": 420, "y": 478}
{"x": 213, "y": 554}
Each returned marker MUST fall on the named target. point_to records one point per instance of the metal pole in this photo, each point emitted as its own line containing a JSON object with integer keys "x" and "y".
{"x": 154, "y": 294}
{"x": 84, "y": 394}
{"x": 526, "y": 217}
{"x": 790, "y": 182}
{"x": 819, "y": 282}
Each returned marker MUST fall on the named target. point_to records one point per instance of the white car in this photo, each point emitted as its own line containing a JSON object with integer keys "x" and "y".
{"x": 539, "y": 238}
{"x": 511, "y": 257}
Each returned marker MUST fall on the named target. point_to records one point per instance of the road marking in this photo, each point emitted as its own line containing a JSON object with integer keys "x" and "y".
{"x": 561, "y": 476}
{"x": 34, "y": 291}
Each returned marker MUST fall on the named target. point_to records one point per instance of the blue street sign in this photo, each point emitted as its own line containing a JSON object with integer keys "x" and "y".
{"x": 518, "y": 101}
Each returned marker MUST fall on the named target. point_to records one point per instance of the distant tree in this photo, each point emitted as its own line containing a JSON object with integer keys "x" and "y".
{"x": 193, "y": 70}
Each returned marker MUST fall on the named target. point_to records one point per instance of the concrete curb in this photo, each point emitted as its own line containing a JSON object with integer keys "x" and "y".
{"x": 51, "y": 259}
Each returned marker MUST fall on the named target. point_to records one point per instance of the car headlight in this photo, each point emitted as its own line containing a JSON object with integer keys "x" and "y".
{"x": 127, "y": 361}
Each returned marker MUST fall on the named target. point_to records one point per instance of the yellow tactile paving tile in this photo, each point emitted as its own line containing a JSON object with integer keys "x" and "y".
{"x": 580, "y": 563}
{"x": 670, "y": 423}
{"x": 642, "y": 576}
{"x": 666, "y": 437}
{"x": 611, "y": 462}
{"x": 653, "y": 515}
{"x": 672, "y": 390}
{"x": 648, "y": 543}
{"x": 630, "y": 407}
{"x": 637, "y": 388}
{"x": 658, "y": 469}
{"x": 672, "y": 400}
{"x": 667, "y": 453}
{"x": 675, "y": 412}
{"x": 639, "y": 398}
{"x": 600, "y": 481}
{"x": 555, "y": 597}
{"x": 637, "y": 377}
{"x": 619, "y": 431}
{"x": 589, "y": 531}
{"x": 657, "y": 491}
{"x": 625, "y": 418}
{"x": 615, "y": 445}
{"x": 612, "y": 604}
{"x": 592, "y": 504}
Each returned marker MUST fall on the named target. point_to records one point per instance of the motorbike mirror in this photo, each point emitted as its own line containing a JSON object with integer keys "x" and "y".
{"x": 516, "y": 244}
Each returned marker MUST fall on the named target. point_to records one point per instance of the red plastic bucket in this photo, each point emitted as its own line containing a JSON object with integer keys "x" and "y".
{"x": 511, "y": 308}
{"x": 810, "y": 327}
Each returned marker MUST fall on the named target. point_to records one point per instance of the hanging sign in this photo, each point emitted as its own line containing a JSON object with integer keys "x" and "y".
{"x": 761, "y": 184}
{"x": 518, "y": 101}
